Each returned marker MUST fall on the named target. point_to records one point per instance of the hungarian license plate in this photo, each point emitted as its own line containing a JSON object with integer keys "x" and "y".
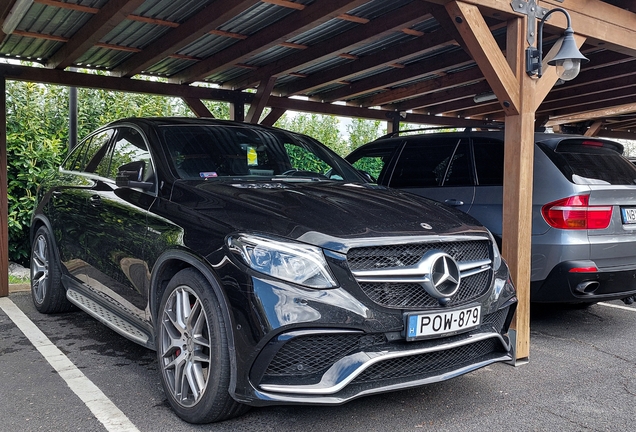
{"x": 629, "y": 215}
{"x": 428, "y": 325}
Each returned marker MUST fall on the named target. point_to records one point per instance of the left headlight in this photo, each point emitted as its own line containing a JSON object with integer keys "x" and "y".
{"x": 293, "y": 262}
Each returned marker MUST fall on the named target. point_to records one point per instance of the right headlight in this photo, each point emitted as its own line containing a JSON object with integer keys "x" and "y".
{"x": 293, "y": 262}
{"x": 496, "y": 253}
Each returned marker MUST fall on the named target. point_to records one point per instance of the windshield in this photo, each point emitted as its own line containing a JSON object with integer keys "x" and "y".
{"x": 216, "y": 152}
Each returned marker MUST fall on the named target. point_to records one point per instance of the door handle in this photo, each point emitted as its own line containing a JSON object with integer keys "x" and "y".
{"x": 454, "y": 202}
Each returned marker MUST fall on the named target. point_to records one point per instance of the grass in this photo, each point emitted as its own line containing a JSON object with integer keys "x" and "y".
{"x": 18, "y": 280}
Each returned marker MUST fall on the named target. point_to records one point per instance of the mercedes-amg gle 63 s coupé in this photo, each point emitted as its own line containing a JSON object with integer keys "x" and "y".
{"x": 262, "y": 268}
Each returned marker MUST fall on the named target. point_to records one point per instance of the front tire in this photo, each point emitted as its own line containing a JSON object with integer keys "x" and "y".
{"x": 49, "y": 296}
{"x": 192, "y": 350}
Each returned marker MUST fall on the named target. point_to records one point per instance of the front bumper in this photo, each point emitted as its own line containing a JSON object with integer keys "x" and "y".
{"x": 383, "y": 367}
{"x": 327, "y": 364}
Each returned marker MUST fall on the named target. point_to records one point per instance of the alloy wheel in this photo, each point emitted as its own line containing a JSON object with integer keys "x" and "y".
{"x": 185, "y": 346}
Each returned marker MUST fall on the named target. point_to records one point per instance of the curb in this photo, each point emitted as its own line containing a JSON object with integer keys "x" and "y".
{"x": 13, "y": 288}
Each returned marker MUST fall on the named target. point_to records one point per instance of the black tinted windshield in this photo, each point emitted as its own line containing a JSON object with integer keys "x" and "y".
{"x": 231, "y": 151}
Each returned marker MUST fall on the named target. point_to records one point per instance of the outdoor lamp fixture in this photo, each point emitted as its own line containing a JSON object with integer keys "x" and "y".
{"x": 567, "y": 60}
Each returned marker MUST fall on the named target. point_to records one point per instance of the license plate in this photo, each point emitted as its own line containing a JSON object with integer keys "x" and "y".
{"x": 629, "y": 215}
{"x": 427, "y": 325}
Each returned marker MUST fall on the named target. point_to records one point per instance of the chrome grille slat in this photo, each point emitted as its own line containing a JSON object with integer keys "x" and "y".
{"x": 390, "y": 275}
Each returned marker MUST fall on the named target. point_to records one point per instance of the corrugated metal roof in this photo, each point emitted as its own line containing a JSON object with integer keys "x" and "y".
{"x": 329, "y": 48}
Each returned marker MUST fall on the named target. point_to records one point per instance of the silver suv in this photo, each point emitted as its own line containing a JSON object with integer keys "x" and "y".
{"x": 583, "y": 206}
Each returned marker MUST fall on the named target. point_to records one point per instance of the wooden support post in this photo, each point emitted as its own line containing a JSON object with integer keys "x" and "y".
{"x": 237, "y": 111}
{"x": 517, "y": 218}
{"x": 4, "y": 207}
{"x": 393, "y": 125}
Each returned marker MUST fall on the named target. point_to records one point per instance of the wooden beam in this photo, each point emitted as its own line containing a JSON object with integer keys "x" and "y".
{"x": 54, "y": 76}
{"x": 4, "y": 206}
{"x": 448, "y": 95}
{"x": 376, "y": 29}
{"x": 584, "y": 101}
{"x": 198, "y": 107}
{"x": 273, "y": 116}
{"x": 423, "y": 88}
{"x": 487, "y": 54}
{"x": 77, "y": 79}
{"x": 374, "y": 114}
{"x": 594, "y": 129}
{"x": 596, "y": 111}
{"x": 367, "y": 63}
{"x": 594, "y": 19}
{"x": 260, "y": 100}
{"x": 288, "y": 27}
{"x": 98, "y": 26}
{"x": 411, "y": 72}
{"x": 202, "y": 22}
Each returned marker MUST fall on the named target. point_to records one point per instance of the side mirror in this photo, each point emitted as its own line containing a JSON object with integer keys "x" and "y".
{"x": 368, "y": 177}
{"x": 131, "y": 175}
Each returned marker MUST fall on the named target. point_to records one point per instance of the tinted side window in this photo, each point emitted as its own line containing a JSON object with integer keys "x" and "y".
{"x": 489, "y": 161}
{"x": 91, "y": 152}
{"x": 129, "y": 147}
{"x": 433, "y": 162}
{"x": 373, "y": 160}
{"x": 74, "y": 160}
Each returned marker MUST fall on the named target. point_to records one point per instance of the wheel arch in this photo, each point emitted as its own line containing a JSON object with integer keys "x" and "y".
{"x": 164, "y": 269}
{"x": 37, "y": 222}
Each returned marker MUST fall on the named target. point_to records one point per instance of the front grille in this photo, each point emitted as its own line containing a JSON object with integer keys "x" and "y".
{"x": 411, "y": 295}
{"x": 377, "y": 257}
{"x": 429, "y": 364}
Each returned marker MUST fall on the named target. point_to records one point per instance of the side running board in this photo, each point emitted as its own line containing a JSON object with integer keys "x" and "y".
{"x": 117, "y": 323}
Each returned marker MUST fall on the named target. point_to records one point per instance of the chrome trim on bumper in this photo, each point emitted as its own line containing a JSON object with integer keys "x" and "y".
{"x": 344, "y": 371}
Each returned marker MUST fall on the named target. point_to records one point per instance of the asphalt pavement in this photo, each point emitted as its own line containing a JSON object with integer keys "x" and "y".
{"x": 581, "y": 376}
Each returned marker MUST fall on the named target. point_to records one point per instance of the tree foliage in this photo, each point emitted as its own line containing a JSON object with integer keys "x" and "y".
{"x": 37, "y": 139}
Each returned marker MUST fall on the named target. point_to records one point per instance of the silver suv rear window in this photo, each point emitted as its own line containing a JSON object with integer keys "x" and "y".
{"x": 592, "y": 162}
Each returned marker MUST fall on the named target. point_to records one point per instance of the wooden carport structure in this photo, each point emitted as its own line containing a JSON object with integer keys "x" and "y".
{"x": 417, "y": 61}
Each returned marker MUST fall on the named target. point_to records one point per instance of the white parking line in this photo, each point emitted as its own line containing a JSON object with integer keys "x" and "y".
{"x": 102, "y": 408}
{"x": 617, "y": 306}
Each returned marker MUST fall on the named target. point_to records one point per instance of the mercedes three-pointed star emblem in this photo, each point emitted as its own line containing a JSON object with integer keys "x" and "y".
{"x": 444, "y": 275}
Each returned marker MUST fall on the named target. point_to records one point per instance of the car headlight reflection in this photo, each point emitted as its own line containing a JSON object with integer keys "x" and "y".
{"x": 293, "y": 262}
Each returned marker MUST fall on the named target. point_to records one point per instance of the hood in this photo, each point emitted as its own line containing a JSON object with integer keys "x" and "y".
{"x": 320, "y": 210}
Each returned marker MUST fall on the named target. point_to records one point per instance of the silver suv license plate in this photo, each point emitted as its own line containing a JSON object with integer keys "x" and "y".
{"x": 629, "y": 215}
{"x": 427, "y": 325}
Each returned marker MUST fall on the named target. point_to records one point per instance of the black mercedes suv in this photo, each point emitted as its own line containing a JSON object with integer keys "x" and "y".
{"x": 262, "y": 268}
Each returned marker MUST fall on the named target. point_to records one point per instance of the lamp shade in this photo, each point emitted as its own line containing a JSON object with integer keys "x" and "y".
{"x": 568, "y": 60}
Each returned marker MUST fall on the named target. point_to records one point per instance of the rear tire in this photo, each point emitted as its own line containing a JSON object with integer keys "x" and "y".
{"x": 49, "y": 296}
{"x": 192, "y": 350}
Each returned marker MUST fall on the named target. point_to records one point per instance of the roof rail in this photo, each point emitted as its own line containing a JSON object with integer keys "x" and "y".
{"x": 493, "y": 126}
